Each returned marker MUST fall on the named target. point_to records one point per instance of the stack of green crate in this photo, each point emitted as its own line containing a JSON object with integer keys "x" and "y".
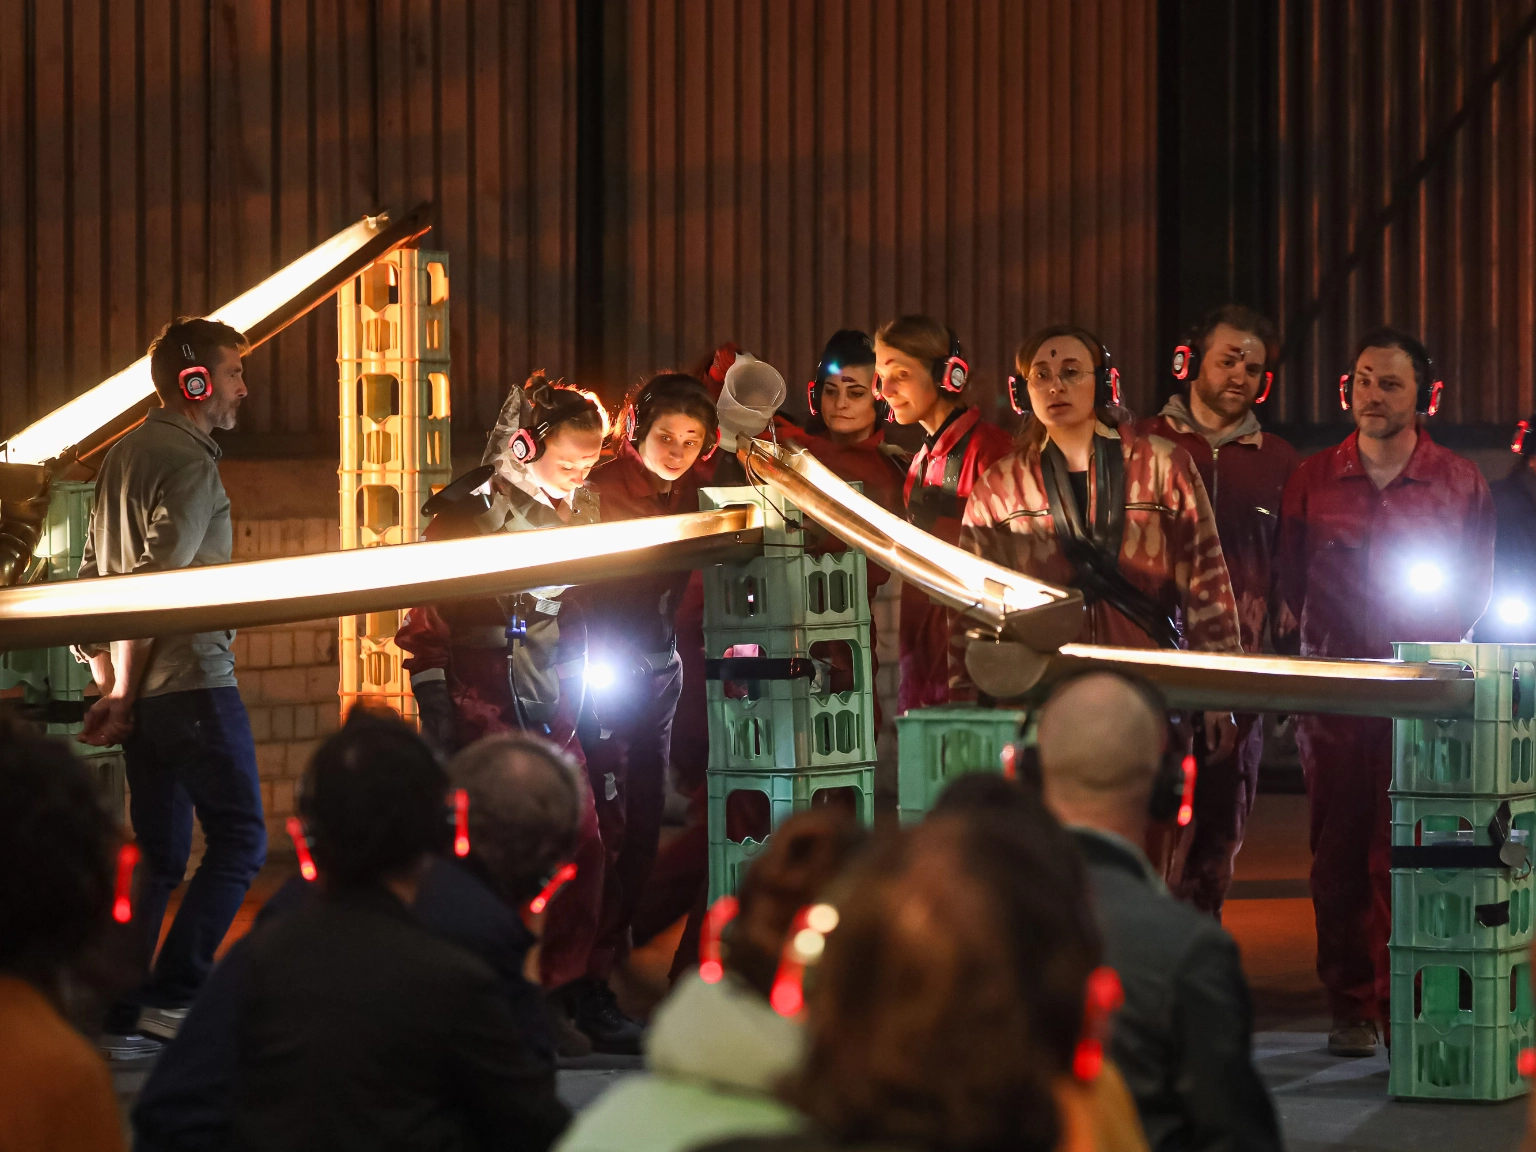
{"x": 934, "y": 745}
{"x": 804, "y": 725}
{"x": 53, "y": 682}
{"x": 1461, "y": 1009}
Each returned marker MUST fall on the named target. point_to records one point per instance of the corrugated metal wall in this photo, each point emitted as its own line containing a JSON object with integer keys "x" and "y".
{"x": 801, "y": 165}
{"x": 159, "y": 156}
{"x": 1364, "y": 87}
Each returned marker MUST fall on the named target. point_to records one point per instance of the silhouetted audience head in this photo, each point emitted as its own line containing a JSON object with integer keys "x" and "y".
{"x": 373, "y": 802}
{"x": 525, "y": 802}
{"x": 801, "y": 860}
{"x": 949, "y": 1001}
{"x": 1101, "y": 741}
{"x": 57, "y": 852}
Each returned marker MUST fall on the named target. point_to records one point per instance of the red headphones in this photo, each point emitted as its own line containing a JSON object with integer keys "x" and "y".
{"x": 721, "y": 913}
{"x": 300, "y": 839}
{"x": 122, "y": 896}
{"x": 952, "y": 372}
{"x": 1186, "y": 364}
{"x": 1102, "y": 997}
{"x": 1106, "y": 383}
{"x": 1428, "y": 398}
{"x": 195, "y": 380}
{"x": 1524, "y": 444}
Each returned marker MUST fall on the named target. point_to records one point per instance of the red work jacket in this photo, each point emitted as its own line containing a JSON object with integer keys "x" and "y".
{"x": 1244, "y": 478}
{"x": 939, "y": 481}
{"x": 1356, "y": 562}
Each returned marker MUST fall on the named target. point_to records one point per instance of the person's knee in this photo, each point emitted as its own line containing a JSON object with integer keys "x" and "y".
{"x": 237, "y": 843}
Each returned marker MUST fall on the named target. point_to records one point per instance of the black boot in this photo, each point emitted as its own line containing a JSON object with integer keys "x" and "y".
{"x": 594, "y": 1009}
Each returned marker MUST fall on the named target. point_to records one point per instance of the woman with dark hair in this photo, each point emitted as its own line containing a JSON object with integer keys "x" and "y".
{"x": 1088, "y": 501}
{"x": 922, "y": 376}
{"x": 359, "y": 1026}
{"x": 947, "y": 1009}
{"x": 718, "y": 1049}
{"x": 516, "y": 663}
{"x": 636, "y": 679}
{"x": 56, "y": 893}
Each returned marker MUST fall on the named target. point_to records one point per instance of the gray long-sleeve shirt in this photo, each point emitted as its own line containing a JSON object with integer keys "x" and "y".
{"x": 160, "y": 505}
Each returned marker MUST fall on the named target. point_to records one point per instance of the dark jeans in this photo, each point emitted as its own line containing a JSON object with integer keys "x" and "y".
{"x": 189, "y": 752}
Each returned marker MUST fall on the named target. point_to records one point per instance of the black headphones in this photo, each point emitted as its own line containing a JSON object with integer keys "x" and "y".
{"x": 195, "y": 380}
{"x": 951, "y": 373}
{"x": 825, "y": 370}
{"x": 1524, "y": 444}
{"x": 1188, "y": 355}
{"x": 637, "y": 415}
{"x": 1430, "y": 386}
{"x": 1172, "y": 788}
{"x": 1106, "y": 379}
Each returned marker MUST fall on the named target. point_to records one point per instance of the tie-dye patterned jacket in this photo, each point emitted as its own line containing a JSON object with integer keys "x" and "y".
{"x": 1170, "y": 550}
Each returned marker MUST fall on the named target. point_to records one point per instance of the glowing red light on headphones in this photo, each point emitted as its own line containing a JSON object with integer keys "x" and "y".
{"x": 563, "y": 876}
{"x": 1102, "y": 997}
{"x": 122, "y": 902}
{"x": 301, "y": 848}
{"x": 1525, "y": 1063}
{"x": 1517, "y": 446}
{"x": 721, "y": 913}
{"x": 1187, "y": 800}
{"x": 1010, "y": 758}
{"x": 804, "y": 945}
{"x": 460, "y": 822}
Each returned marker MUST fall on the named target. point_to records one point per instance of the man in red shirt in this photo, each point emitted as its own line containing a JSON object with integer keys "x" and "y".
{"x": 1386, "y": 537}
{"x": 1224, "y": 364}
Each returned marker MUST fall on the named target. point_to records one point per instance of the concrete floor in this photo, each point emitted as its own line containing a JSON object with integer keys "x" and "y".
{"x": 1324, "y": 1103}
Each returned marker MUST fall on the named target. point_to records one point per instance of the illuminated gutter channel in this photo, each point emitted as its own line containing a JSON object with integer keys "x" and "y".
{"x": 367, "y": 580}
{"x": 260, "y": 313}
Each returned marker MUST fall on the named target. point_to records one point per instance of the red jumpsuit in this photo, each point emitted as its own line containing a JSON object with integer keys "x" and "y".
{"x": 1345, "y": 552}
{"x": 939, "y": 482}
{"x": 630, "y": 626}
{"x": 1244, "y": 473}
{"x": 464, "y": 642}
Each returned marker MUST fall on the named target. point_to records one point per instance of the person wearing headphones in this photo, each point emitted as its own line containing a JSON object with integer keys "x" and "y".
{"x": 1223, "y": 369}
{"x": 1120, "y": 515}
{"x": 1386, "y": 537}
{"x": 518, "y": 663}
{"x": 172, "y": 701}
{"x": 1511, "y": 618}
{"x": 922, "y": 373}
{"x": 669, "y": 427}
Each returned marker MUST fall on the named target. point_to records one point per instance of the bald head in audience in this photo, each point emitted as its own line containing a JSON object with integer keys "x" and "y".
{"x": 1100, "y": 743}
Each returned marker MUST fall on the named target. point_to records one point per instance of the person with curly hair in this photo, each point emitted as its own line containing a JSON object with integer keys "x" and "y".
{"x": 56, "y": 894}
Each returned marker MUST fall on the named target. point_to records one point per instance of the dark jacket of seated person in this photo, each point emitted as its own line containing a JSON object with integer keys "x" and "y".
{"x": 1182, "y": 1040}
{"x": 362, "y": 1028}
{"x": 185, "y": 1106}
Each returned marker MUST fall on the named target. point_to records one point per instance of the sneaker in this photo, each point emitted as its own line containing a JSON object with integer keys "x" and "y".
{"x": 571, "y": 1043}
{"x": 595, "y": 1011}
{"x": 1352, "y": 1038}
{"x": 133, "y": 1046}
{"x": 162, "y": 1023}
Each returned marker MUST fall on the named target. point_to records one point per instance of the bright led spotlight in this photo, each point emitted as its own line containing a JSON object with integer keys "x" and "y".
{"x": 1426, "y": 577}
{"x": 600, "y": 676}
{"x": 1513, "y": 610}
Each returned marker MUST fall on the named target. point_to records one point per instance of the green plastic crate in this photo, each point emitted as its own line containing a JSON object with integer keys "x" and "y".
{"x": 1504, "y": 675}
{"x": 1464, "y": 757}
{"x": 62, "y": 543}
{"x": 783, "y": 523}
{"x": 788, "y": 793}
{"x": 1444, "y": 814}
{"x": 934, "y": 745}
{"x": 1439, "y": 908}
{"x": 789, "y": 641}
{"x": 787, "y": 591}
{"x": 1460, "y": 1020}
{"x": 788, "y": 727}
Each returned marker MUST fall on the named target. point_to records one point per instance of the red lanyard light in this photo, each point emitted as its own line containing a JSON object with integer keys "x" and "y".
{"x": 721, "y": 913}
{"x": 807, "y": 940}
{"x": 301, "y": 847}
{"x": 563, "y": 875}
{"x": 122, "y": 904}
{"x": 1102, "y": 996}
{"x": 460, "y": 822}
{"x": 1187, "y": 801}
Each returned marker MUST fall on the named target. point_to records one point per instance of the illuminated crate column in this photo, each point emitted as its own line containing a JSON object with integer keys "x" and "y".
{"x": 396, "y": 409}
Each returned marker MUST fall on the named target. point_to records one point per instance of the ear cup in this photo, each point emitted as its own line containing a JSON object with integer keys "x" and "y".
{"x": 710, "y": 451}
{"x": 1522, "y": 431}
{"x": 1186, "y": 361}
{"x": 1432, "y": 405}
{"x": 1108, "y": 385}
{"x": 1269, "y": 382}
{"x": 195, "y": 383}
{"x": 526, "y": 446}
{"x": 1346, "y": 390}
{"x": 1018, "y": 393}
{"x": 813, "y": 396}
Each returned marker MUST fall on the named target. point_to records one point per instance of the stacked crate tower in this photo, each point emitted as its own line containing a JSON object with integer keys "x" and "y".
{"x": 392, "y": 355}
{"x": 1463, "y": 813}
{"x": 788, "y": 684}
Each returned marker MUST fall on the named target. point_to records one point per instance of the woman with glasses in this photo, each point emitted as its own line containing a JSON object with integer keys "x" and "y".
{"x": 1086, "y": 501}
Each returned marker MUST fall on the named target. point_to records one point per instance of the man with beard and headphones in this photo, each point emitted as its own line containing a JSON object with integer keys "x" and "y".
{"x": 1224, "y": 368}
{"x": 1386, "y": 537}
